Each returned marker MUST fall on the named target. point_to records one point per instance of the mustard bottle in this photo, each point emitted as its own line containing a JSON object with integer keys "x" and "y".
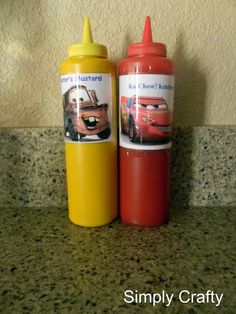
{"x": 89, "y": 106}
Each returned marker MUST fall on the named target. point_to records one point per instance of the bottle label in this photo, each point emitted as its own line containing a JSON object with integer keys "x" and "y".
{"x": 146, "y": 111}
{"x": 87, "y": 107}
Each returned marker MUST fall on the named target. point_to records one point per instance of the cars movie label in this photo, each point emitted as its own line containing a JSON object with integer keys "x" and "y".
{"x": 87, "y": 107}
{"x": 146, "y": 110}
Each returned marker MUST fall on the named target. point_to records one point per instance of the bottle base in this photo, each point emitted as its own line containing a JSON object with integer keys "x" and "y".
{"x": 141, "y": 225}
{"x": 86, "y": 225}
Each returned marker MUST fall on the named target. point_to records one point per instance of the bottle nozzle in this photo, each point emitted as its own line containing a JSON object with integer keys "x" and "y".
{"x": 147, "y": 46}
{"x": 147, "y": 32}
{"x": 87, "y": 34}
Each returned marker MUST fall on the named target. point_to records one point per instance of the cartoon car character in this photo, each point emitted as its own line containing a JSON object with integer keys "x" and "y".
{"x": 145, "y": 119}
{"x": 82, "y": 114}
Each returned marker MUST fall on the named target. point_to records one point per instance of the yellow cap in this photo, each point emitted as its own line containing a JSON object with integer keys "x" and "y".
{"x": 87, "y": 47}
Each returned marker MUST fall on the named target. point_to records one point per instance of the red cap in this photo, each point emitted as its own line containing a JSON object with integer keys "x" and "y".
{"x": 147, "y": 46}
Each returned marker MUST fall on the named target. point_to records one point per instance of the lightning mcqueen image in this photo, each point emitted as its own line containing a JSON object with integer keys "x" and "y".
{"x": 83, "y": 115}
{"x": 145, "y": 119}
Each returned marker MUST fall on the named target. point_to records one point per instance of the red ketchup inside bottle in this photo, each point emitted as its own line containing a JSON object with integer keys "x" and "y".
{"x": 146, "y": 85}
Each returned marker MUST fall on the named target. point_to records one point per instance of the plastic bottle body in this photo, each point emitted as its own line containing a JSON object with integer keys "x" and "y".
{"x": 144, "y": 174}
{"x": 144, "y": 186}
{"x": 92, "y": 167}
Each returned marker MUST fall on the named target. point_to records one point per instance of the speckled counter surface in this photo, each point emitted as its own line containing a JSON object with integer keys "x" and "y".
{"x": 49, "y": 265}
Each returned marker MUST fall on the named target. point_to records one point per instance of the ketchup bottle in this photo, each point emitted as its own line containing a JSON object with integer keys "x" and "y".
{"x": 146, "y": 84}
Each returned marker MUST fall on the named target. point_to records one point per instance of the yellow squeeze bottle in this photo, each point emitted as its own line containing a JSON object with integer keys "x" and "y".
{"x": 89, "y": 106}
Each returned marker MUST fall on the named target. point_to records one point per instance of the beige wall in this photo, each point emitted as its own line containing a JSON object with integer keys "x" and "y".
{"x": 200, "y": 36}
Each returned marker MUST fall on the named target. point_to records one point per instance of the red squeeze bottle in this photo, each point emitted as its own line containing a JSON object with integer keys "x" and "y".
{"x": 146, "y": 84}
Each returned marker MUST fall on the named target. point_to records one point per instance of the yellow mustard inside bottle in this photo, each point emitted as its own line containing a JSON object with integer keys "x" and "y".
{"x": 90, "y": 128}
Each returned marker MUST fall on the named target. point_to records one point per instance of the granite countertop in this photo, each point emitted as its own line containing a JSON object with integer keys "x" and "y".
{"x": 49, "y": 265}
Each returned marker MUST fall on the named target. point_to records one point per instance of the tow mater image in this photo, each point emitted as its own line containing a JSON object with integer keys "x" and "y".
{"x": 83, "y": 115}
{"x": 145, "y": 119}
